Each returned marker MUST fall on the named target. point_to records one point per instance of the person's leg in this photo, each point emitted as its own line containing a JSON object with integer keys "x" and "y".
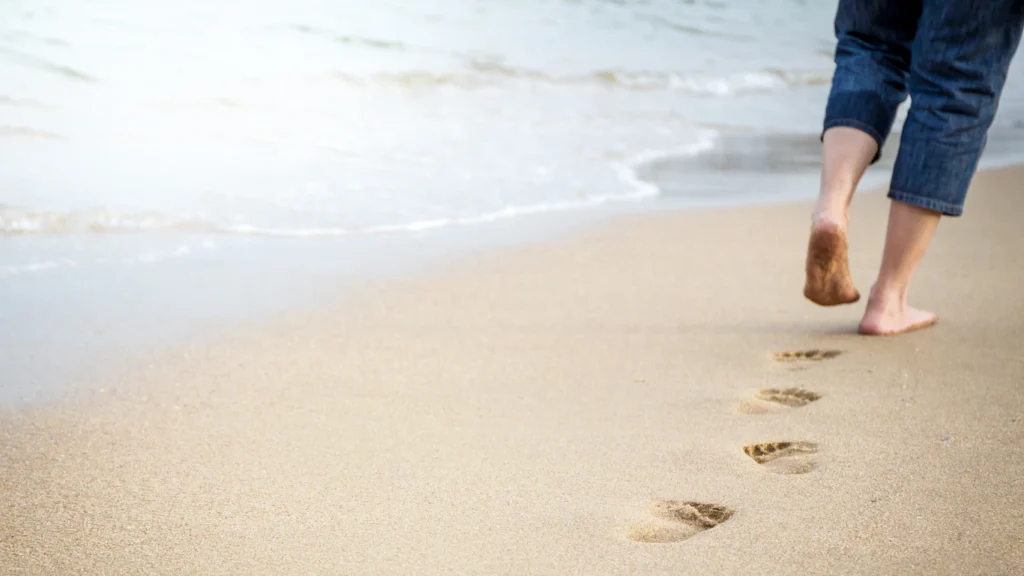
{"x": 872, "y": 67}
{"x": 960, "y": 59}
{"x": 847, "y": 154}
{"x": 910, "y": 231}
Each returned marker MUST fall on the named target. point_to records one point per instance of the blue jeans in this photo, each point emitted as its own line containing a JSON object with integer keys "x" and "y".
{"x": 952, "y": 57}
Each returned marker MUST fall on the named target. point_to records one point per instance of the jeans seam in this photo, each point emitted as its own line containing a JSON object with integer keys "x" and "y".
{"x": 946, "y": 208}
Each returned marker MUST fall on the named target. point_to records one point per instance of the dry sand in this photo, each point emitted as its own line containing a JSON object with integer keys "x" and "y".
{"x": 552, "y": 409}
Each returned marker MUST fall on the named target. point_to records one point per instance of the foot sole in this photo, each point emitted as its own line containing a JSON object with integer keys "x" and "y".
{"x": 828, "y": 275}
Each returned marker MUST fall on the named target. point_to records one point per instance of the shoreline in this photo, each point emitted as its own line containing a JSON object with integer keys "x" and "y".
{"x": 525, "y": 410}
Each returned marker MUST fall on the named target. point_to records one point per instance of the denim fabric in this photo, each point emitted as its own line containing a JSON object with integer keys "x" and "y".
{"x": 951, "y": 57}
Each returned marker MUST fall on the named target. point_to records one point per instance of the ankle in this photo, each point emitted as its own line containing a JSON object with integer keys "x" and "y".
{"x": 828, "y": 216}
{"x": 833, "y": 202}
{"x": 888, "y": 295}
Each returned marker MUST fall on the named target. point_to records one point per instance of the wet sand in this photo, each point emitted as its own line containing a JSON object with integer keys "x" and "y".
{"x": 652, "y": 396}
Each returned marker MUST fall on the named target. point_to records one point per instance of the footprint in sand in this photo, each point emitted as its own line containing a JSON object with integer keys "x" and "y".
{"x": 806, "y": 355}
{"x": 677, "y": 520}
{"x": 784, "y": 457}
{"x": 769, "y": 399}
{"x": 793, "y": 397}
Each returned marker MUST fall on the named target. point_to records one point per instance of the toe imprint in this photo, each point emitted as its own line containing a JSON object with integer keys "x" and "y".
{"x": 794, "y": 397}
{"x": 805, "y": 355}
{"x": 783, "y": 457}
{"x": 768, "y": 451}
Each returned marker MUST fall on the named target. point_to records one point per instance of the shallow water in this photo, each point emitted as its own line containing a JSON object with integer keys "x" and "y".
{"x": 144, "y": 146}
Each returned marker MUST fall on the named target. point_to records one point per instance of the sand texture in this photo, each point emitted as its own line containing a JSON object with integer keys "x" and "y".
{"x": 652, "y": 396}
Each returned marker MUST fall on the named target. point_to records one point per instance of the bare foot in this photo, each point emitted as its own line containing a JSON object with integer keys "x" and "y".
{"x": 828, "y": 270}
{"x": 890, "y": 315}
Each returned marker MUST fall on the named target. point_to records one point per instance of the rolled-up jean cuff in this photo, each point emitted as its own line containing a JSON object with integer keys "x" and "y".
{"x": 866, "y": 110}
{"x": 862, "y": 126}
{"x": 945, "y": 208}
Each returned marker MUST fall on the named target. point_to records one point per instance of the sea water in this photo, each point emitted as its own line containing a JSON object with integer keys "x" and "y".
{"x": 161, "y": 161}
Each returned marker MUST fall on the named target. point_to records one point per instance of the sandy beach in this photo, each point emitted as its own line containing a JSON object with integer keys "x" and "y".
{"x": 651, "y": 396}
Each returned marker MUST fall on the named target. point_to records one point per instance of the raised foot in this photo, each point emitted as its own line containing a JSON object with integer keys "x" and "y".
{"x": 828, "y": 269}
{"x": 880, "y": 321}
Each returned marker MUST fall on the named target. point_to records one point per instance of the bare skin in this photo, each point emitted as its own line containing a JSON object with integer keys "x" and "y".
{"x": 910, "y": 232}
{"x": 847, "y": 154}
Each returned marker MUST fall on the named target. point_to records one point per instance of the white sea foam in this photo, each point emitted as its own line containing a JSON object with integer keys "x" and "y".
{"x": 701, "y": 84}
{"x": 20, "y": 221}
